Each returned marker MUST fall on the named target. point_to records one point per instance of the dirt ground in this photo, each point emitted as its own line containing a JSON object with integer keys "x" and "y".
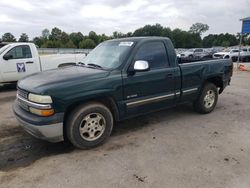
{"x": 171, "y": 148}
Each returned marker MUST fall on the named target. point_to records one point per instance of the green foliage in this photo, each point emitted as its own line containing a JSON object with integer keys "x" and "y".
{"x": 166, "y": 32}
{"x": 225, "y": 43}
{"x": 247, "y": 40}
{"x": 129, "y": 34}
{"x": 199, "y": 28}
{"x": 117, "y": 35}
{"x": 52, "y": 44}
{"x": 8, "y": 37}
{"x": 76, "y": 38}
{"x": 180, "y": 38}
{"x": 102, "y": 38}
{"x": 93, "y": 36}
{"x": 220, "y": 40}
{"x": 69, "y": 44}
{"x": 23, "y": 38}
{"x": 87, "y": 43}
{"x": 64, "y": 37}
{"x": 38, "y": 41}
{"x": 45, "y": 34}
{"x": 149, "y": 30}
{"x": 56, "y": 34}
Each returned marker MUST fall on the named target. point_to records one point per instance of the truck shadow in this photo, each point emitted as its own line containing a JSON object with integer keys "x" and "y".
{"x": 21, "y": 149}
{"x": 24, "y": 150}
{"x": 8, "y": 87}
{"x": 149, "y": 120}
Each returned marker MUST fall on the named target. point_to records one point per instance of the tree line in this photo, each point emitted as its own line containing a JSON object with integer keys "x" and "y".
{"x": 56, "y": 38}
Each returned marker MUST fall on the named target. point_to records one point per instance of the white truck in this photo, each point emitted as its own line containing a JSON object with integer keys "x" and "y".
{"x": 18, "y": 60}
{"x": 226, "y": 54}
{"x": 245, "y": 55}
{"x": 234, "y": 53}
{"x": 194, "y": 53}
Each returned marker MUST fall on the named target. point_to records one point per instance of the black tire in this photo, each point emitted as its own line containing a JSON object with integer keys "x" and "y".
{"x": 190, "y": 56}
{"x": 74, "y": 123}
{"x": 200, "y": 104}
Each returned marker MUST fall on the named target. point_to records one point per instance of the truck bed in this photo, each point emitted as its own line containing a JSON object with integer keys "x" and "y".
{"x": 48, "y": 61}
{"x": 194, "y": 74}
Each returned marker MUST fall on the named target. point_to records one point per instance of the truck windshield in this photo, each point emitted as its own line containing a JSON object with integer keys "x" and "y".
{"x": 109, "y": 55}
{"x": 4, "y": 48}
{"x": 235, "y": 51}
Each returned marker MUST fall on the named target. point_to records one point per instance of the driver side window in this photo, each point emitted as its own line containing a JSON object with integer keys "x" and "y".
{"x": 198, "y": 50}
{"x": 154, "y": 53}
{"x": 20, "y": 52}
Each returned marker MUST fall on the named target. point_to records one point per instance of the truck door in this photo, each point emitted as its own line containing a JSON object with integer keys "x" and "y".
{"x": 152, "y": 89}
{"x": 19, "y": 63}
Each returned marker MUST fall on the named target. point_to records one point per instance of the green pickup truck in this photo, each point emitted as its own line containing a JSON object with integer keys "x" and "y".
{"x": 119, "y": 79}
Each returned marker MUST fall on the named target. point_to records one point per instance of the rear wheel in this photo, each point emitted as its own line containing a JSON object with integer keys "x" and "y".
{"x": 207, "y": 99}
{"x": 89, "y": 125}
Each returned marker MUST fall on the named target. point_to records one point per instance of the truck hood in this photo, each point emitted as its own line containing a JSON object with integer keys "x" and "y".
{"x": 42, "y": 82}
{"x": 222, "y": 53}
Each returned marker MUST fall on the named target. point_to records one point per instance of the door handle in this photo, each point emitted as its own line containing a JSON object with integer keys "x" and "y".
{"x": 29, "y": 62}
{"x": 169, "y": 75}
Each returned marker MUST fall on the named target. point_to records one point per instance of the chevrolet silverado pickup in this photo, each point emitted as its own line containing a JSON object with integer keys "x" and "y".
{"x": 18, "y": 60}
{"x": 119, "y": 79}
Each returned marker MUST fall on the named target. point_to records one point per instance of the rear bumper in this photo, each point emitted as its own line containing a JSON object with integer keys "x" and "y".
{"x": 225, "y": 84}
{"x": 45, "y": 128}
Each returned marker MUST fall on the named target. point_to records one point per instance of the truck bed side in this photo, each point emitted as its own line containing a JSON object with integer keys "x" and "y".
{"x": 195, "y": 74}
{"x": 56, "y": 60}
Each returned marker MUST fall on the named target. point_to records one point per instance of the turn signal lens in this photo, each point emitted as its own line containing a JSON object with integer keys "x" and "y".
{"x": 42, "y": 112}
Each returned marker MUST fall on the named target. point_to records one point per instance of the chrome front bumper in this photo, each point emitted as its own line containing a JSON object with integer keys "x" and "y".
{"x": 49, "y": 128}
{"x": 51, "y": 133}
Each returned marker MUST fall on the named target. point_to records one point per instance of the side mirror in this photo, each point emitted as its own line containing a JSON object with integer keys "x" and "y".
{"x": 178, "y": 59}
{"x": 141, "y": 66}
{"x": 7, "y": 57}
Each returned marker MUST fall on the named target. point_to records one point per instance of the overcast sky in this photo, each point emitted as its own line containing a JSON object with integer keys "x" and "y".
{"x": 106, "y": 16}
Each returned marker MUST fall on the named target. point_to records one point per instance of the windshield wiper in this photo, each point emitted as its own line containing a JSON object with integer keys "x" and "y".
{"x": 95, "y": 65}
{"x": 81, "y": 63}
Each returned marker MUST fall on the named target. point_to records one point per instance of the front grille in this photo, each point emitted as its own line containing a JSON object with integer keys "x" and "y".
{"x": 23, "y": 105}
{"x": 22, "y": 93}
{"x": 218, "y": 55}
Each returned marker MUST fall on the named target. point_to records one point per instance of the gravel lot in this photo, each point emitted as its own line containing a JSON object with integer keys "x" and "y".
{"x": 170, "y": 148}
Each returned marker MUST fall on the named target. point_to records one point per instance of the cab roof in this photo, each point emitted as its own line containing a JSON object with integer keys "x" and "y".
{"x": 140, "y": 39}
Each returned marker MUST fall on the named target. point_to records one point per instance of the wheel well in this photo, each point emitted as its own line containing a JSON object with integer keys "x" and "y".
{"x": 109, "y": 102}
{"x": 217, "y": 81}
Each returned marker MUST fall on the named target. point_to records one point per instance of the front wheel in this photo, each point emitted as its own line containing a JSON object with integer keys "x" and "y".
{"x": 207, "y": 99}
{"x": 89, "y": 125}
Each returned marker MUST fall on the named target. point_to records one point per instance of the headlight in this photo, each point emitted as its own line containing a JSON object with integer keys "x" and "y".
{"x": 40, "y": 98}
